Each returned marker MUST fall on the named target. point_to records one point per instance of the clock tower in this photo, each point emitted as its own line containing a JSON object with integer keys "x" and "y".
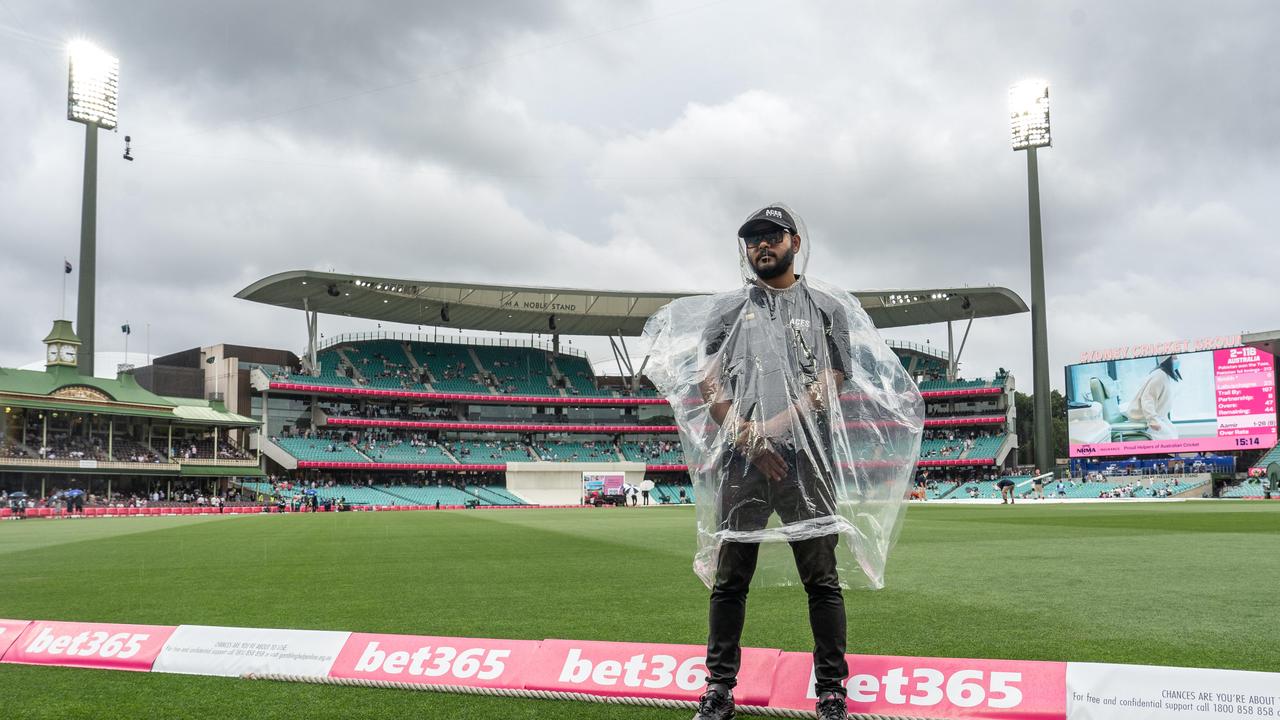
{"x": 62, "y": 347}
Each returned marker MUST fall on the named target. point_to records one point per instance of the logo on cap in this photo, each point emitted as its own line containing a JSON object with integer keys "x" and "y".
{"x": 773, "y": 212}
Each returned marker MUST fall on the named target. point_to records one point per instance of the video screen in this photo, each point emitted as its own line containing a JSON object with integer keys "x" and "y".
{"x": 1189, "y": 402}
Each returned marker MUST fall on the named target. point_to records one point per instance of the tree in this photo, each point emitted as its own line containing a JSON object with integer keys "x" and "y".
{"x": 1025, "y": 426}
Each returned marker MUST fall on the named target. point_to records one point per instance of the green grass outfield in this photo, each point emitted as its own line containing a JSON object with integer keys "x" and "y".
{"x": 1192, "y": 584}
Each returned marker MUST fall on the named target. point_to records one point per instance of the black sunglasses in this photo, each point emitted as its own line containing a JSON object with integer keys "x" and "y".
{"x": 771, "y": 238}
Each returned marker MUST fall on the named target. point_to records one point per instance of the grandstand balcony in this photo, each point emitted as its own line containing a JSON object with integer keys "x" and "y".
{"x": 142, "y": 468}
{"x": 463, "y": 426}
{"x": 305, "y": 385}
{"x": 951, "y": 453}
{"x": 960, "y": 421}
{"x": 933, "y": 389}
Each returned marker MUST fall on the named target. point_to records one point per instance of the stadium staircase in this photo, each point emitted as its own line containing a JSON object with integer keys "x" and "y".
{"x": 494, "y": 495}
{"x": 281, "y": 456}
{"x": 149, "y": 446}
{"x": 413, "y": 361}
{"x": 476, "y": 359}
{"x": 345, "y": 360}
{"x": 445, "y": 451}
{"x": 996, "y": 448}
{"x": 942, "y": 490}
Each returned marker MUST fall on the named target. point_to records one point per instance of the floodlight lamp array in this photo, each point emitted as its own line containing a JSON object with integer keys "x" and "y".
{"x": 1029, "y": 114}
{"x": 906, "y": 299}
{"x": 93, "y": 80}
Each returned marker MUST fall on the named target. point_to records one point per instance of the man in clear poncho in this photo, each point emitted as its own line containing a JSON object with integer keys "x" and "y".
{"x": 790, "y": 404}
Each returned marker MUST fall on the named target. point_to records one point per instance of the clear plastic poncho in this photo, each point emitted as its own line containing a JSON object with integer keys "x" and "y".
{"x": 797, "y": 421}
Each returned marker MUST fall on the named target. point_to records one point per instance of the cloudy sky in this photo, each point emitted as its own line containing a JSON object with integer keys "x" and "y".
{"x": 617, "y": 146}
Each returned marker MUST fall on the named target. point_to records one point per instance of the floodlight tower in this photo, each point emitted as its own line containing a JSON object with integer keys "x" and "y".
{"x": 1029, "y": 118}
{"x": 92, "y": 85}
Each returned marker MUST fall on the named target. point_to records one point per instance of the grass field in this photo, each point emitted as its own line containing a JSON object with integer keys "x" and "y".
{"x": 1190, "y": 584}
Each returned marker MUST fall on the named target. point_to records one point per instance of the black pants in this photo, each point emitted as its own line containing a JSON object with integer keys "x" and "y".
{"x": 816, "y": 561}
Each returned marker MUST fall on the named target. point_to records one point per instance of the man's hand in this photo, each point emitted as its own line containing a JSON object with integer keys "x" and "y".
{"x": 770, "y": 463}
{"x": 750, "y": 439}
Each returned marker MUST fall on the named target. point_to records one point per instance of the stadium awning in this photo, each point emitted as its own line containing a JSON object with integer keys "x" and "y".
{"x": 189, "y": 470}
{"x": 204, "y": 412}
{"x": 574, "y": 311}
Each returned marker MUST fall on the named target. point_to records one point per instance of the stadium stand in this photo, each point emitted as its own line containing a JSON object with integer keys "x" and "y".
{"x": 940, "y": 490}
{"x": 670, "y": 494}
{"x": 320, "y": 450}
{"x": 451, "y": 366}
{"x": 486, "y": 452}
{"x": 579, "y": 378}
{"x": 414, "y": 495}
{"x": 985, "y": 447}
{"x": 941, "y": 449}
{"x": 968, "y": 420}
{"x": 958, "y": 384}
{"x": 494, "y": 495}
{"x": 384, "y": 364}
{"x": 1168, "y": 488}
{"x": 516, "y": 370}
{"x": 204, "y": 448}
{"x": 333, "y": 372}
{"x": 1252, "y": 487}
{"x": 654, "y": 452}
{"x": 402, "y": 451}
{"x": 566, "y": 451}
{"x": 13, "y": 450}
{"x": 392, "y": 495}
{"x": 1272, "y": 455}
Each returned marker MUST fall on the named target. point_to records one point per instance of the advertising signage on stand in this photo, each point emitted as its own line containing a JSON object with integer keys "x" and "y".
{"x": 1212, "y": 400}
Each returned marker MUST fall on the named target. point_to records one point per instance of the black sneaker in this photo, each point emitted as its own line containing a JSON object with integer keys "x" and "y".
{"x": 716, "y": 704}
{"x": 831, "y": 706}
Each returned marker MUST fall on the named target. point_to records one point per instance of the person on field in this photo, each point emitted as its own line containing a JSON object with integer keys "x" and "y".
{"x": 758, "y": 380}
{"x": 1006, "y": 486}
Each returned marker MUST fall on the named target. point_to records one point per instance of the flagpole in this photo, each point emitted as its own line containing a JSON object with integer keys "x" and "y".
{"x": 65, "y": 273}
{"x": 126, "y": 344}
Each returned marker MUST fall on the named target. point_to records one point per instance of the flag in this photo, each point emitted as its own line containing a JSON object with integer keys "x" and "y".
{"x": 125, "y": 329}
{"x": 66, "y": 265}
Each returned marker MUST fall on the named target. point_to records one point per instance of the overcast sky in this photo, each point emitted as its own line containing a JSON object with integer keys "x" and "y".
{"x": 618, "y": 145}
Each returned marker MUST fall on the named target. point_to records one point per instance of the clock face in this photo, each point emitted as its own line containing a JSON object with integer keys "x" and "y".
{"x": 53, "y": 353}
{"x": 68, "y": 353}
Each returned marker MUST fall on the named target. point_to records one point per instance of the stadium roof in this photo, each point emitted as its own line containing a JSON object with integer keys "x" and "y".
{"x": 1268, "y": 341}
{"x": 522, "y": 309}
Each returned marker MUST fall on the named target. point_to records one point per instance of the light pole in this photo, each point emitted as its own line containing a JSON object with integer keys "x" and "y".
{"x": 1029, "y": 120}
{"x": 92, "y": 86}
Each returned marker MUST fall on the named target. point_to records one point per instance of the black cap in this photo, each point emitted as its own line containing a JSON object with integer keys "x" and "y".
{"x": 767, "y": 219}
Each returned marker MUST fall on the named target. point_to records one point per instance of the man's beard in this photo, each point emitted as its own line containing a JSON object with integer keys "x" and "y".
{"x": 781, "y": 264}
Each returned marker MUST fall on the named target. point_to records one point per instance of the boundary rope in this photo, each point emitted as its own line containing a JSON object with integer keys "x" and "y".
{"x": 664, "y": 703}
